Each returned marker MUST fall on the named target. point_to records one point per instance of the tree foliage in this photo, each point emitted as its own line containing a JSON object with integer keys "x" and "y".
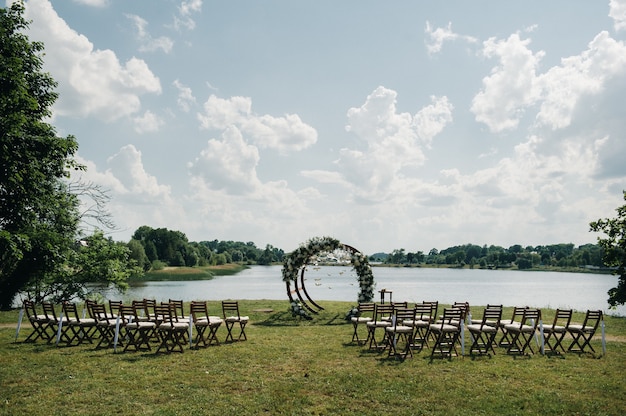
{"x": 614, "y": 245}
{"x": 38, "y": 216}
{"x": 553, "y": 255}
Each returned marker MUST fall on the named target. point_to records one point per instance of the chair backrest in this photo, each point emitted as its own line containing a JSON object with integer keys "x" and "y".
{"x": 48, "y": 310}
{"x": 30, "y": 308}
{"x": 434, "y": 304}
{"x": 400, "y": 305}
{"x": 452, "y": 316}
{"x": 198, "y": 310}
{"x": 140, "y": 308}
{"x": 98, "y": 312}
{"x": 531, "y": 317}
{"x": 383, "y": 311}
{"x": 164, "y": 313}
{"x": 463, "y": 306}
{"x": 114, "y": 307}
{"x": 492, "y": 315}
{"x": 592, "y": 320}
{"x": 128, "y": 313}
{"x": 230, "y": 308}
{"x": 518, "y": 312}
{"x": 178, "y": 308}
{"x": 423, "y": 311}
{"x": 71, "y": 311}
{"x": 403, "y": 314}
{"x": 366, "y": 308}
{"x": 562, "y": 317}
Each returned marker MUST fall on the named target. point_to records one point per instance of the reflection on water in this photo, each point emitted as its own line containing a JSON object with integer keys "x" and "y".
{"x": 580, "y": 291}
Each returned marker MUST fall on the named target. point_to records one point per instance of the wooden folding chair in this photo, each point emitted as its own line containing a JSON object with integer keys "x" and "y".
{"x": 522, "y": 333}
{"x": 57, "y": 324}
{"x": 39, "y": 322}
{"x": 232, "y": 317}
{"x": 206, "y": 325}
{"x": 505, "y": 339}
{"x": 105, "y": 324}
{"x": 382, "y": 319}
{"x": 366, "y": 314}
{"x": 585, "y": 332}
{"x": 484, "y": 332}
{"x": 400, "y": 331}
{"x": 81, "y": 328}
{"x": 553, "y": 334}
{"x": 137, "y": 331}
{"x": 421, "y": 323}
{"x": 171, "y": 332}
{"x": 446, "y": 333}
{"x": 179, "y": 312}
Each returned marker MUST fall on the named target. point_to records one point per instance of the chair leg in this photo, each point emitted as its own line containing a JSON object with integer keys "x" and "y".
{"x": 200, "y": 338}
{"x": 576, "y": 342}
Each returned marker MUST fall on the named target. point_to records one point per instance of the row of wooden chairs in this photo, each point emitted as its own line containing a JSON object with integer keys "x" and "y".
{"x": 135, "y": 326}
{"x": 419, "y": 326}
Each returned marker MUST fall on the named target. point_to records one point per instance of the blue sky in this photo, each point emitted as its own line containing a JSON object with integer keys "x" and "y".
{"x": 407, "y": 124}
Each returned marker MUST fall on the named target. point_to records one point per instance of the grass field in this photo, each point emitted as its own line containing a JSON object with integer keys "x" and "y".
{"x": 305, "y": 368}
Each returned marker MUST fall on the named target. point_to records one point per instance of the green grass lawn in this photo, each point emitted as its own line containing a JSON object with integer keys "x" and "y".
{"x": 305, "y": 367}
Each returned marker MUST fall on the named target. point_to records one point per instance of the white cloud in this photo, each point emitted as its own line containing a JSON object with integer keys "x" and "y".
{"x": 186, "y": 9}
{"x": 514, "y": 86}
{"x": 436, "y": 37}
{"x": 392, "y": 140}
{"x": 288, "y": 133}
{"x": 564, "y": 86}
{"x": 618, "y": 13}
{"x": 93, "y": 3}
{"x": 432, "y": 119}
{"x": 148, "y": 122}
{"x": 228, "y": 164}
{"x": 510, "y": 87}
{"x": 91, "y": 82}
{"x": 148, "y": 43}
{"x": 185, "y": 96}
{"x": 127, "y": 166}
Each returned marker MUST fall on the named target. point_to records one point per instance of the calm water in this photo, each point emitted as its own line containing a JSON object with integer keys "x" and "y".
{"x": 580, "y": 291}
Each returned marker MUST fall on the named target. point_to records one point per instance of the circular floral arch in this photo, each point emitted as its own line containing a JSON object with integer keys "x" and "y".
{"x": 294, "y": 265}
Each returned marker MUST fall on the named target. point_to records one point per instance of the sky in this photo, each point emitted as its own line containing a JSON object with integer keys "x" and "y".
{"x": 386, "y": 125}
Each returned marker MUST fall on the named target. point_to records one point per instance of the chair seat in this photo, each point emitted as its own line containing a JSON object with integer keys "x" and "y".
{"x": 399, "y": 328}
{"x": 360, "y": 319}
{"x": 444, "y": 328}
{"x": 207, "y": 322}
{"x": 237, "y": 319}
{"x": 419, "y": 323}
{"x": 580, "y": 328}
{"x": 174, "y": 325}
{"x": 521, "y": 328}
{"x": 487, "y": 322}
{"x": 484, "y": 328}
{"x": 212, "y": 319}
{"x": 140, "y": 325}
{"x": 555, "y": 328}
{"x": 379, "y": 324}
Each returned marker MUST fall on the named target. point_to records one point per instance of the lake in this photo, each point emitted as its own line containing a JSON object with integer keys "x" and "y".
{"x": 579, "y": 291}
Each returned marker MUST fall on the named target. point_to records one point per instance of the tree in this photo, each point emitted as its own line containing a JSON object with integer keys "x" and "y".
{"x": 38, "y": 215}
{"x": 95, "y": 259}
{"x": 614, "y": 246}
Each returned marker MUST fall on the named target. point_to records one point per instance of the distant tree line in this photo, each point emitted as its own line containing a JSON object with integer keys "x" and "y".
{"x": 559, "y": 255}
{"x": 154, "y": 248}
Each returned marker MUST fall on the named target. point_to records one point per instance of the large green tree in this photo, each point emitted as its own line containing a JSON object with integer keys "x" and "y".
{"x": 614, "y": 245}
{"x": 38, "y": 215}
